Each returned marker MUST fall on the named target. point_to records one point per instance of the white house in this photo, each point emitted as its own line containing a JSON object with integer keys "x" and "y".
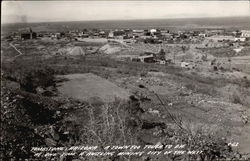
{"x": 153, "y": 31}
{"x": 240, "y": 39}
{"x": 111, "y": 34}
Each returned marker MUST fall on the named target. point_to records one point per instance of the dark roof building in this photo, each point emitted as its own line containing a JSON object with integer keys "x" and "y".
{"x": 28, "y": 34}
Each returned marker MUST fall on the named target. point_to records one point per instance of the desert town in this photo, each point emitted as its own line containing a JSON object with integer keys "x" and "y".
{"x": 79, "y": 86}
{"x": 151, "y": 45}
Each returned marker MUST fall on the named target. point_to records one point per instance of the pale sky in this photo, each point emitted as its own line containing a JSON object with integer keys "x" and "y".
{"x": 40, "y": 11}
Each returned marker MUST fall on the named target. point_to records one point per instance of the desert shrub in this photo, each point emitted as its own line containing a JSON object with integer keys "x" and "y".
{"x": 115, "y": 127}
{"x": 117, "y": 123}
{"x": 245, "y": 82}
{"x": 201, "y": 88}
{"x": 30, "y": 80}
{"x": 128, "y": 71}
{"x": 29, "y": 73}
{"x": 154, "y": 70}
{"x": 211, "y": 146}
{"x": 240, "y": 95}
{"x": 104, "y": 63}
{"x": 143, "y": 73}
{"x": 190, "y": 86}
{"x": 236, "y": 98}
{"x": 221, "y": 51}
{"x": 21, "y": 113}
{"x": 208, "y": 81}
{"x": 18, "y": 141}
{"x": 206, "y": 89}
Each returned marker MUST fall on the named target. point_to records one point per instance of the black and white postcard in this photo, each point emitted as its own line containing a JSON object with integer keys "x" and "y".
{"x": 125, "y": 80}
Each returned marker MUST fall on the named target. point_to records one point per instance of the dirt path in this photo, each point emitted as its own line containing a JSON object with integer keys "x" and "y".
{"x": 20, "y": 53}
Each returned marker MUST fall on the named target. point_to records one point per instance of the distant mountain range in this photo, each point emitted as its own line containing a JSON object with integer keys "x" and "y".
{"x": 171, "y": 24}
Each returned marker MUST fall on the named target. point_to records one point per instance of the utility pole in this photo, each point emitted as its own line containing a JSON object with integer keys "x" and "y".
{"x": 174, "y": 57}
{"x": 229, "y": 61}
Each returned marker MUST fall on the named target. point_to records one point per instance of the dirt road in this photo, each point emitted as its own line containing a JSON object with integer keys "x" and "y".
{"x": 20, "y": 53}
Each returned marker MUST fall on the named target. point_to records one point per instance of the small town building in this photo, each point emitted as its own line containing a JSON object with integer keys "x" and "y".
{"x": 240, "y": 39}
{"x": 147, "y": 58}
{"x": 245, "y": 33}
{"x": 102, "y": 34}
{"x": 237, "y": 50}
{"x": 28, "y": 34}
{"x": 138, "y": 33}
{"x": 119, "y": 33}
{"x": 85, "y": 35}
{"x": 111, "y": 34}
{"x": 214, "y": 32}
{"x": 221, "y": 38}
{"x": 152, "y": 31}
{"x": 202, "y": 35}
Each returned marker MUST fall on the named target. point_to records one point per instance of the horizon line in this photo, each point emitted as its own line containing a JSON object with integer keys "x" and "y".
{"x": 56, "y": 21}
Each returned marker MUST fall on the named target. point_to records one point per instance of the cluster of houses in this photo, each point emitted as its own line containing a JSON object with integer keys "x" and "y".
{"x": 223, "y": 35}
{"x": 149, "y": 57}
{"x": 147, "y": 35}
